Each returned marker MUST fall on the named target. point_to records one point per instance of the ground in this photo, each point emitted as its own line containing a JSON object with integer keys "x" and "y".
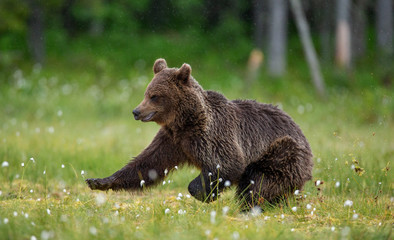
{"x": 56, "y": 132}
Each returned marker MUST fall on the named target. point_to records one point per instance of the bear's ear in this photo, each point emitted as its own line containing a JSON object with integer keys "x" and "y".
{"x": 183, "y": 73}
{"x": 159, "y": 65}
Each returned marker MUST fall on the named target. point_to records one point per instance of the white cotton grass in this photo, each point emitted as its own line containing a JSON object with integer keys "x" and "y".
{"x": 82, "y": 172}
{"x": 296, "y": 192}
{"x": 213, "y": 217}
{"x": 225, "y": 210}
{"x": 63, "y": 166}
{"x": 318, "y": 182}
{"x": 348, "y": 203}
{"x": 100, "y": 199}
{"x": 48, "y": 211}
{"x": 167, "y": 211}
{"x": 294, "y": 209}
{"x": 332, "y": 229}
{"x": 142, "y": 182}
{"x": 5, "y": 164}
{"x": 227, "y": 183}
{"x": 308, "y": 206}
{"x": 337, "y": 184}
{"x": 93, "y": 230}
{"x": 256, "y": 211}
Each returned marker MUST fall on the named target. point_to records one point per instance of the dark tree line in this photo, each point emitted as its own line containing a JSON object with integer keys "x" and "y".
{"x": 342, "y": 27}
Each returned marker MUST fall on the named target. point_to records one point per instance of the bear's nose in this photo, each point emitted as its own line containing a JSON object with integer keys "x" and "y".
{"x": 136, "y": 113}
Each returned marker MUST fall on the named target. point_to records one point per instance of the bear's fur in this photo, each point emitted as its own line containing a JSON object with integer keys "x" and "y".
{"x": 253, "y": 145}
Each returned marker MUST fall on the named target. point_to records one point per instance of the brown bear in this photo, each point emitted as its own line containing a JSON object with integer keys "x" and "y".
{"x": 255, "y": 146}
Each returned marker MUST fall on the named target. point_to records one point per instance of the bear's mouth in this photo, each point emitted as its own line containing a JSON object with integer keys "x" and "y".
{"x": 148, "y": 117}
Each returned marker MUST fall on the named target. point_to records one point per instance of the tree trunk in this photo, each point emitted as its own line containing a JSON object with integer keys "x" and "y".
{"x": 359, "y": 22}
{"x": 325, "y": 29}
{"x": 35, "y": 33}
{"x": 343, "y": 48}
{"x": 258, "y": 18}
{"x": 310, "y": 53}
{"x": 67, "y": 17}
{"x": 384, "y": 26}
{"x": 277, "y": 44}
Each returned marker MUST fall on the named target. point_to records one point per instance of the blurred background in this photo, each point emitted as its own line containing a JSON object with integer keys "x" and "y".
{"x": 119, "y": 36}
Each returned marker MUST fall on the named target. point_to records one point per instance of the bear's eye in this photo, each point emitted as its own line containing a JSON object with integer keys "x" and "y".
{"x": 154, "y": 98}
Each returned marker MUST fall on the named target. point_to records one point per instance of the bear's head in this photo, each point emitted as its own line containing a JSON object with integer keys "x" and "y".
{"x": 172, "y": 95}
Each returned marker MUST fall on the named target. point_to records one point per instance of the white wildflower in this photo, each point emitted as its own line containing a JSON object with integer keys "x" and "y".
{"x": 251, "y": 182}
{"x": 44, "y": 172}
{"x": 82, "y": 172}
{"x": 142, "y": 183}
{"x": 337, "y": 184}
{"x": 62, "y": 165}
{"x": 5, "y": 220}
{"x": 217, "y": 166}
{"x": 332, "y": 229}
{"x": 296, "y": 192}
{"x": 33, "y": 238}
{"x": 15, "y": 213}
{"x": 32, "y": 159}
{"x": 355, "y": 216}
{"x": 5, "y": 164}
{"x": 167, "y": 211}
{"x": 165, "y": 172}
{"x": 318, "y": 182}
{"x": 209, "y": 174}
{"x": 48, "y": 211}
{"x": 227, "y": 183}
{"x": 308, "y": 206}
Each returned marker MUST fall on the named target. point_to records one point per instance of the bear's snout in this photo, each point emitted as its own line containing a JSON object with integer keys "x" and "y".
{"x": 136, "y": 114}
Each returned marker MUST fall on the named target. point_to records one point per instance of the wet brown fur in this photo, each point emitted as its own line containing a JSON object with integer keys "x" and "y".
{"x": 239, "y": 141}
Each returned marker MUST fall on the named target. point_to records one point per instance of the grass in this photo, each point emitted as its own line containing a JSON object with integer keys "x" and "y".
{"x": 72, "y": 121}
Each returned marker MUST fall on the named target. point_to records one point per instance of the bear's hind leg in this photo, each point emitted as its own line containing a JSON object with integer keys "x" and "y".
{"x": 206, "y": 187}
{"x": 285, "y": 166}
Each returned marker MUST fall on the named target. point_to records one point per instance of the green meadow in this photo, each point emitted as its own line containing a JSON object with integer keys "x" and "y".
{"x": 71, "y": 119}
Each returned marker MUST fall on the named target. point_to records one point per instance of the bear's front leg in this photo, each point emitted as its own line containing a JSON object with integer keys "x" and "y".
{"x": 148, "y": 168}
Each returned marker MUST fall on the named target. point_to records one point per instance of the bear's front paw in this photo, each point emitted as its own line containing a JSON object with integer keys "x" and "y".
{"x": 98, "y": 184}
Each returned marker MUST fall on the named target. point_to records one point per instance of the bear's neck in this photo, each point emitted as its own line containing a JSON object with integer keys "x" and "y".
{"x": 192, "y": 118}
